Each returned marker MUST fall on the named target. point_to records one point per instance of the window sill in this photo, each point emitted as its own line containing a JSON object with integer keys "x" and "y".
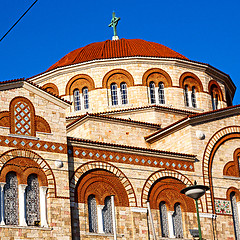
{"x": 195, "y": 109}
{"x": 23, "y": 136}
{"x": 27, "y": 227}
{"x": 103, "y": 234}
{"x": 121, "y": 106}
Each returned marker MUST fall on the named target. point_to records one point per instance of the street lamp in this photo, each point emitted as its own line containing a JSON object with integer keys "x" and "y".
{"x": 195, "y": 192}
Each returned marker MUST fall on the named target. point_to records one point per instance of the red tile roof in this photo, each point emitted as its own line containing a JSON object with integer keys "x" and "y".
{"x": 116, "y": 49}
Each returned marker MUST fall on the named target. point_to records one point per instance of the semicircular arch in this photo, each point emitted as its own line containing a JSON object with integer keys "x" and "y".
{"x": 195, "y": 81}
{"x": 94, "y": 165}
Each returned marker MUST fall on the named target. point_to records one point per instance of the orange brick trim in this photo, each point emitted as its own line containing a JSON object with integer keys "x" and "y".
{"x": 117, "y": 76}
{"x": 41, "y": 164}
{"x": 4, "y": 119}
{"x": 232, "y": 167}
{"x": 13, "y": 124}
{"x": 191, "y": 80}
{"x": 213, "y": 85}
{"x": 213, "y": 144}
{"x": 101, "y": 183}
{"x": 96, "y": 165}
{"x": 51, "y": 87}
{"x": 156, "y": 75}
{"x": 162, "y": 174}
{"x": 22, "y": 143}
{"x": 233, "y": 189}
{"x": 79, "y": 81}
{"x": 42, "y": 125}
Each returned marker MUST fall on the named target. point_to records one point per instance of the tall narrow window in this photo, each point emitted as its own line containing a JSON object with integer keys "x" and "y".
{"x": 11, "y": 199}
{"x": 235, "y": 215}
{"x": 32, "y": 200}
{"x": 123, "y": 90}
{"x": 164, "y": 219}
{"x": 92, "y": 214}
{"x": 85, "y": 98}
{"x": 216, "y": 101}
{"x": 161, "y": 93}
{"x": 107, "y": 216}
{"x": 152, "y": 92}
{"x": 77, "y": 100}
{"x": 177, "y": 221}
{"x": 114, "y": 94}
{"x": 186, "y": 95}
{"x": 193, "y": 96}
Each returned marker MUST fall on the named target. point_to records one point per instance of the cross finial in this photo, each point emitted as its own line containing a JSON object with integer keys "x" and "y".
{"x": 113, "y": 24}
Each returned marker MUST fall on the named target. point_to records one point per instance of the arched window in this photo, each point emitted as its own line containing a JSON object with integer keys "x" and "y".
{"x": 92, "y": 214}
{"x": 32, "y": 200}
{"x": 186, "y": 95}
{"x": 11, "y": 199}
{"x": 77, "y": 100}
{"x": 152, "y": 92}
{"x": 161, "y": 96}
{"x": 114, "y": 94}
{"x": 193, "y": 97}
{"x": 235, "y": 215}
{"x": 177, "y": 221}
{"x": 123, "y": 90}
{"x": 164, "y": 219}
{"x": 85, "y": 98}
{"x": 107, "y": 216}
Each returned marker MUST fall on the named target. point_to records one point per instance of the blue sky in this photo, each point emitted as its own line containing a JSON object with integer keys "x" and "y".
{"x": 205, "y": 31}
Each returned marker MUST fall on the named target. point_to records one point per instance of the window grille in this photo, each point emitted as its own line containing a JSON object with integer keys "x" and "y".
{"x": 177, "y": 221}
{"x": 114, "y": 94}
{"x": 161, "y": 93}
{"x": 164, "y": 219}
{"x": 32, "y": 200}
{"x": 235, "y": 215}
{"x": 11, "y": 199}
{"x": 92, "y": 214}
{"x": 194, "y": 101}
{"x": 123, "y": 90}
{"x": 107, "y": 216}
{"x": 186, "y": 95}
{"x": 152, "y": 92}
{"x": 77, "y": 100}
{"x": 85, "y": 98}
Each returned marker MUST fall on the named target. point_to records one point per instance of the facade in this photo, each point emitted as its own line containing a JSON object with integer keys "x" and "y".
{"x": 110, "y": 131}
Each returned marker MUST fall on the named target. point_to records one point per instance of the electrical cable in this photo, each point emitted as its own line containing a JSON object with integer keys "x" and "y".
{"x": 17, "y": 21}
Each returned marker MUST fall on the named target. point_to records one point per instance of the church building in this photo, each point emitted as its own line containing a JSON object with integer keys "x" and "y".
{"x": 100, "y": 145}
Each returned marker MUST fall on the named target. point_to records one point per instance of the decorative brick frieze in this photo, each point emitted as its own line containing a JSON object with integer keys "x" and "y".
{"x": 223, "y": 206}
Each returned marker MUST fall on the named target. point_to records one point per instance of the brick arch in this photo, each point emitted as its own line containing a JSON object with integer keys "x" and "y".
{"x": 94, "y": 165}
{"x": 231, "y": 168}
{"x": 213, "y": 84}
{"x": 51, "y": 87}
{"x": 41, "y": 166}
{"x": 161, "y": 174}
{"x": 18, "y": 100}
{"x": 158, "y": 75}
{"x": 79, "y": 81}
{"x": 191, "y": 80}
{"x": 117, "y": 76}
{"x": 213, "y": 144}
{"x": 233, "y": 189}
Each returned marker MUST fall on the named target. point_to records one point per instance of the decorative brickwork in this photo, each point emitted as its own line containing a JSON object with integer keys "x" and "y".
{"x": 42, "y": 125}
{"x": 156, "y": 75}
{"x": 117, "y": 76}
{"x": 51, "y": 87}
{"x": 223, "y": 206}
{"x": 24, "y": 163}
{"x": 101, "y": 184}
{"x": 191, "y": 80}
{"x": 4, "y": 119}
{"x": 216, "y": 140}
{"x": 128, "y": 158}
{"x": 90, "y": 166}
{"x": 214, "y": 87}
{"x": 79, "y": 81}
{"x": 7, "y": 141}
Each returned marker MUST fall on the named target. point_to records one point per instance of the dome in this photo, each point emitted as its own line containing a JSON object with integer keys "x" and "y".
{"x": 117, "y": 49}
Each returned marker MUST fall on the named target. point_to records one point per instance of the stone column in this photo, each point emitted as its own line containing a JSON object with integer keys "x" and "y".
{"x": 170, "y": 224}
{"x": 43, "y": 206}
{"x": 2, "y": 203}
{"x": 22, "y": 204}
{"x": 100, "y": 218}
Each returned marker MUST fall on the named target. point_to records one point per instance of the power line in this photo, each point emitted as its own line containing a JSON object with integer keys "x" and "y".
{"x": 17, "y": 21}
